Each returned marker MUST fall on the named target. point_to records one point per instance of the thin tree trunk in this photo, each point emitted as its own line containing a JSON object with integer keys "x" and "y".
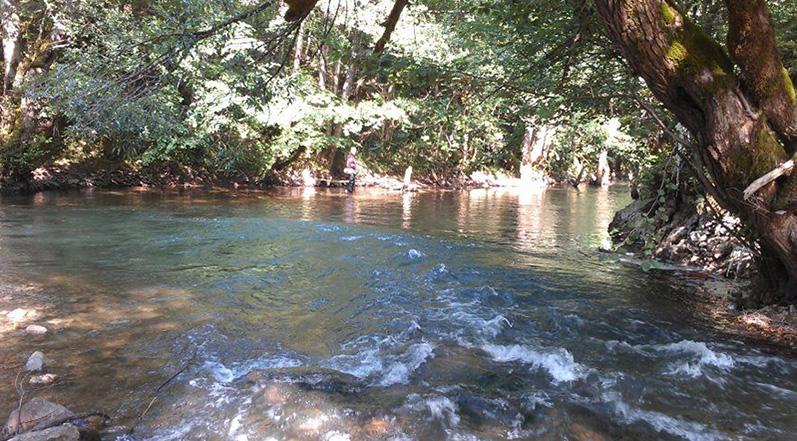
{"x": 298, "y": 50}
{"x": 351, "y": 72}
{"x": 604, "y": 174}
{"x": 390, "y": 25}
{"x": 10, "y": 32}
{"x": 322, "y": 68}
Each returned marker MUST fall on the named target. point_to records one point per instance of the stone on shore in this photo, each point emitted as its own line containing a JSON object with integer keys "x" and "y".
{"x": 36, "y": 412}
{"x": 66, "y": 432}
{"x": 35, "y": 330}
{"x": 36, "y": 362}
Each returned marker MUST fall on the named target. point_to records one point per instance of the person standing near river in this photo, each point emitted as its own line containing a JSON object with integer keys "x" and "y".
{"x": 351, "y": 168}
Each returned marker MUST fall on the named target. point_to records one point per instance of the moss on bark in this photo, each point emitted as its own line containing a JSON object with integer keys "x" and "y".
{"x": 788, "y": 85}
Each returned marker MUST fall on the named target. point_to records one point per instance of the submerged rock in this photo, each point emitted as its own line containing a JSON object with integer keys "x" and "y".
{"x": 66, "y": 432}
{"x": 36, "y": 412}
{"x": 378, "y": 427}
{"x": 318, "y": 379}
{"x": 36, "y": 362}
{"x": 487, "y": 411}
{"x": 43, "y": 379}
{"x": 19, "y": 314}
{"x": 35, "y": 330}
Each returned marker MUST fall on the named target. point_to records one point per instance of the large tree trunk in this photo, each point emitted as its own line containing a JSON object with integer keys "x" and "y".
{"x": 735, "y": 139}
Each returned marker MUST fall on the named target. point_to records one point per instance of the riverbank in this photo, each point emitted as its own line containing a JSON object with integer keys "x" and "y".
{"x": 707, "y": 243}
{"x": 106, "y": 174}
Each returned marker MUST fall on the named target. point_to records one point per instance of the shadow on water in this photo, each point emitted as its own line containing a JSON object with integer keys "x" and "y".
{"x": 320, "y": 315}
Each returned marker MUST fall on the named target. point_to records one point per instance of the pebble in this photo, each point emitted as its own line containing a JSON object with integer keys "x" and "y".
{"x": 35, "y": 330}
{"x": 36, "y": 362}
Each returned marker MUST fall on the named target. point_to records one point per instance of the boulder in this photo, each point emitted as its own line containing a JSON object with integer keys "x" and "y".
{"x": 66, "y": 432}
{"x": 36, "y": 412}
{"x": 35, "y": 330}
{"x": 36, "y": 362}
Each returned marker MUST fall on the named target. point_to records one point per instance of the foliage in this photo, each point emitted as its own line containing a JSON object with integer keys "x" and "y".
{"x": 212, "y": 85}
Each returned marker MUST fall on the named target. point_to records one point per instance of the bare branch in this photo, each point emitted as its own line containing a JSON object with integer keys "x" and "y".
{"x": 781, "y": 170}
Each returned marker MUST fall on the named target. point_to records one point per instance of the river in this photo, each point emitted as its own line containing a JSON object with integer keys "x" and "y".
{"x": 317, "y": 315}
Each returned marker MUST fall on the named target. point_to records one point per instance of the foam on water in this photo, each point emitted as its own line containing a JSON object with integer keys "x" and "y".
{"x": 336, "y": 436}
{"x": 698, "y": 356}
{"x": 440, "y": 408}
{"x": 224, "y": 374}
{"x": 414, "y": 254}
{"x": 399, "y": 372}
{"x": 557, "y": 362}
{"x": 380, "y": 362}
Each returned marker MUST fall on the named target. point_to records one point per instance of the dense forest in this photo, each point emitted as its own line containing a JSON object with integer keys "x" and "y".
{"x": 693, "y": 102}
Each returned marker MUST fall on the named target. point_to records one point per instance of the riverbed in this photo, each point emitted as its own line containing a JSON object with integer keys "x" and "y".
{"x": 318, "y": 315}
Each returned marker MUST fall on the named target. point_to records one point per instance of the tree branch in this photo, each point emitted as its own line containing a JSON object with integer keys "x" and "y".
{"x": 781, "y": 170}
{"x": 390, "y": 25}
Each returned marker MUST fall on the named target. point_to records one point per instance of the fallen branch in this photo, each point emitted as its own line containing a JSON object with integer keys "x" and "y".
{"x": 765, "y": 180}
{"x": 159, "y": 389}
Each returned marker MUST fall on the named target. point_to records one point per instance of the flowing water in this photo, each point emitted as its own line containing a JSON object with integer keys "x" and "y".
{"x": 314, "y": 315}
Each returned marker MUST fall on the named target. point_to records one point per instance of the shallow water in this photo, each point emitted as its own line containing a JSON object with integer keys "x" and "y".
{"x": 449, "y": 315}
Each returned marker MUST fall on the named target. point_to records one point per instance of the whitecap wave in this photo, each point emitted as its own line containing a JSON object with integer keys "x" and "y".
{"x": 381, "y": 366}
{"x": 399, "y": 372}
{"x": 698, "y": 356}
{"x": 414, "y": 254}
{"x": 557, "y": 362}
{"x": 440, "y": 408}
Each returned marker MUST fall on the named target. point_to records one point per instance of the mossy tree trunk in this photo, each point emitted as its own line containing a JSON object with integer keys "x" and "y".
{"x": 743, "y": 126}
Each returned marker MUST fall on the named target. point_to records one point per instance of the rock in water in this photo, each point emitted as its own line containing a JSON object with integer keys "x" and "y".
{"x": 67, "y": 432}
{"x": 36, "y": 412}
{"x": 35, "y": 330}
{"x": 43, "y": 379}
{"x": 318, "y": 379}
{"x": 18, "y": 315}
{"x": 36, "y": 362}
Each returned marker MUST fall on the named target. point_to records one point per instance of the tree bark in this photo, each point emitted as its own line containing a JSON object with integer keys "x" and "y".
{"x": 322, "y": 68}
{"x": 604, "y": 174}
{"x": 751, "y": 40}
{"x": 298, "y": 50}
{"x": 694, "y": 78}
{"x": 10, "y": 32}
{"x": 390, "y": 25}
{"x": 298, "y": 9}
